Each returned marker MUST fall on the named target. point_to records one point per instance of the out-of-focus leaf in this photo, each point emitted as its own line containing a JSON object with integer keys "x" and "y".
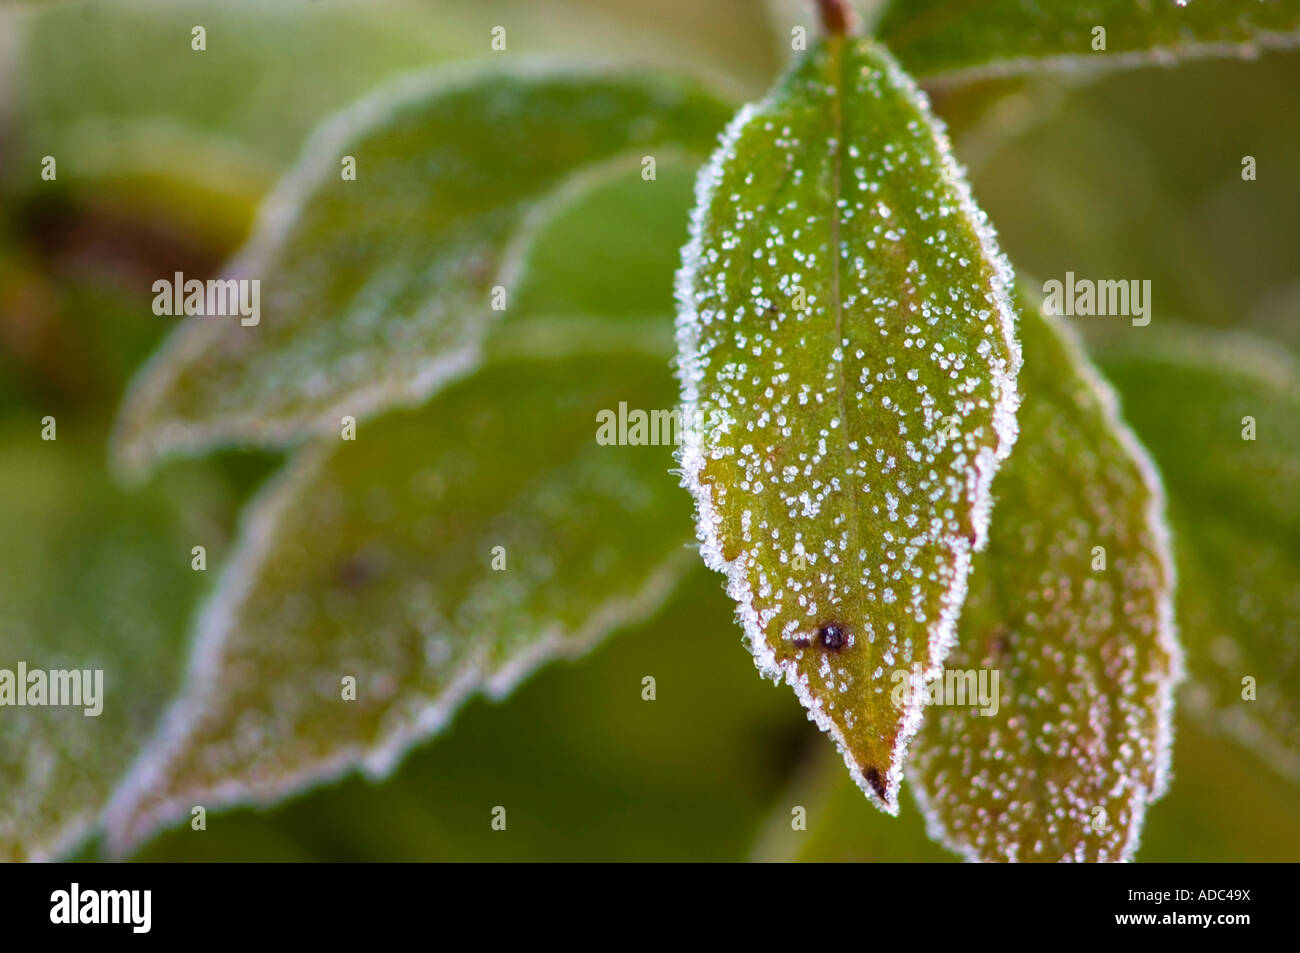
{"x": 377, "y": 291}
{"x": 599, "y": 275}
{"x": 91, "y": 578}
{"x": 1193, "y": 396}
{"x": 116, "y": 88}
{"x": 381, "y": 560}
{"x": 1238, "y": 811}
{"x": 1071, "y": 609}
{"x": 848, "y": 365}
{"x": 1140, "y": 176}
{"x": 640, "y": 781}
{"x": 953, "y": 42}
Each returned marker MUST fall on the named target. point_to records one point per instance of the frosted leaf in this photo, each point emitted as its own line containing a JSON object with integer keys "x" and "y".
{"x": 444, "y": 552}
{"x": 92, "y": 579}
{"x": 946, "y": 42}
{"x": 1194, "y": 397}
{"x": 1072, "y": 607}
{"x": 848, "y": 371}
{"x": 377, "y": 291}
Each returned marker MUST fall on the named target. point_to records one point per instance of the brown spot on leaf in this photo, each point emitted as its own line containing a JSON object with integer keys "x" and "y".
{"x": 357, "y": 572}
{"x": 833, "y": 636}
{"x": 877, "y": 783}
{"x": 999, "y": 646}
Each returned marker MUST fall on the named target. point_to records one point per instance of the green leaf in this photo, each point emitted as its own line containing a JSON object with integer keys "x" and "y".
{"x": 599, "y": 278}
{"x": 587, "y": 766}
{"x": 380, "y": 560}
{"x": 957, "y": 42}
{"x": 1071, "y": 608}
{"x": 1192, "y": 396}
{"x": 1211, "y": 772}
{"x": 378, "y": 291}
{"x": 93, "y": 579}
{"x": 848, "y": 366}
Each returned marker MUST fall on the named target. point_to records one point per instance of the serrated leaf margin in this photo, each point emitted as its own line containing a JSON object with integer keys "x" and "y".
{"x": 691, "y": 458}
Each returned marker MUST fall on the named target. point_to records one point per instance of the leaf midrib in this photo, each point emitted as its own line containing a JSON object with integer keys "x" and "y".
{"x": 835, "y": 47}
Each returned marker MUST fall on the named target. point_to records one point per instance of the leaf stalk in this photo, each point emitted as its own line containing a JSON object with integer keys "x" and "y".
{"x": 837, "y": 16}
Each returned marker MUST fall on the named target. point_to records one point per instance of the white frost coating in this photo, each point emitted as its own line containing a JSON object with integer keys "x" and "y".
{"x": 146, "y": 397}
{"x": 1004, "y": 414}
{"x": 133, "y": 814}
{"x": 1166, "y": 637}
{"x": 74, "y": 832}
{"x": 1167, "y": 627}
{"x": 694, "y": 452}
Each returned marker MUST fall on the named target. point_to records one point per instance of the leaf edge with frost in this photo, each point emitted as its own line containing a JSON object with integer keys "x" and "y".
{"x": 127, "y": 828}
{"x": 1087, "y": 65}
{"x": 134, "y": 451}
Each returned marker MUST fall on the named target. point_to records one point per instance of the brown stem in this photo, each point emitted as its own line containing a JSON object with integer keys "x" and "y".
{"x": 837, "y": 16}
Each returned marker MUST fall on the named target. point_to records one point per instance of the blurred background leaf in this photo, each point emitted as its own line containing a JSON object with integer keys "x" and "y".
{"x": 957, "y": 40}
{"x": 1139, "y": 176}
{"x": 1223, "y": 806}
{"x": 93, "y": 578}
{"x": 382, "y": 288}
{"x": 1076, "y": 745}
{"x": 1233, "y": 502}
{"x": 584, "y": 767}
{"x": 1134, "y": 175}
{"x": 445, "y": 551}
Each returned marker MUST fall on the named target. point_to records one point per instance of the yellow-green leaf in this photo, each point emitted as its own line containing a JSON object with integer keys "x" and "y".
{"x": 848, "y": 362}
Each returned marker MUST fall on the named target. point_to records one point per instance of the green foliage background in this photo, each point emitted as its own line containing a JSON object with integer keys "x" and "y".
{"x": 1135, "y": 174}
